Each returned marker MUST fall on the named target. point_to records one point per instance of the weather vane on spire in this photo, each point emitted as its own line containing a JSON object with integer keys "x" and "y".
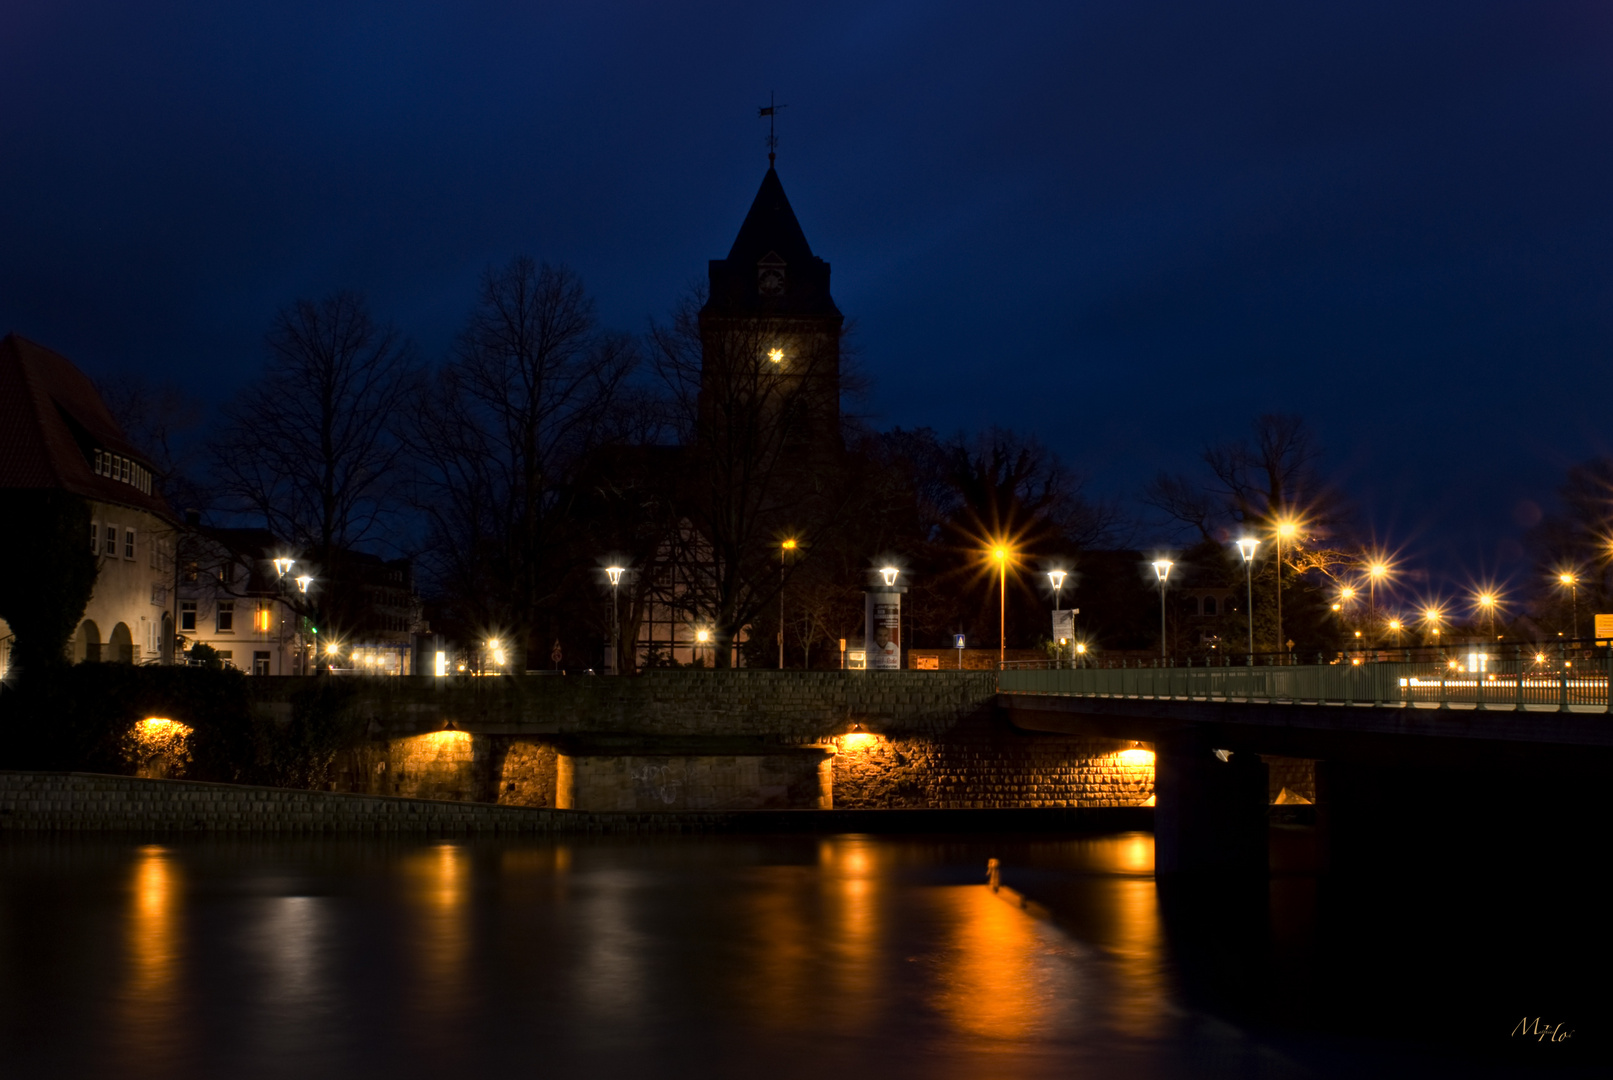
{"x": 770, "y": 110}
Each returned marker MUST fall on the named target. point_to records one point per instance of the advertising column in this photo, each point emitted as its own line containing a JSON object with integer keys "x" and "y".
{"x": 882, "y": 622}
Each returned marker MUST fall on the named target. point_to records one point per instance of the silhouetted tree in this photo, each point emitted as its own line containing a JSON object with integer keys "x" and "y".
{"x": 310, "y": 448}
{"x": 533, "y": 386}
{"x": 52, "y": 575}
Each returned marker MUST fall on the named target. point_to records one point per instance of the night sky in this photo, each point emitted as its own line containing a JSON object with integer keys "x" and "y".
{"x": 1127, "y": 227}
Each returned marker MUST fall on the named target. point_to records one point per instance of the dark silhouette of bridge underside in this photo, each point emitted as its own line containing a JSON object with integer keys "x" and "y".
{"x": 1486, "y": 755}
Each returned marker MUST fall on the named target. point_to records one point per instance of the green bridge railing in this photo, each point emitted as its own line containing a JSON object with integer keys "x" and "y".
{"x": 1477, "y": 681}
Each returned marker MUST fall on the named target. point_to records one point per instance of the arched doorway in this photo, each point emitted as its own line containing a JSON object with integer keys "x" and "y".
{"x": 87, "y": 642}
{"x": 122, "y": 645}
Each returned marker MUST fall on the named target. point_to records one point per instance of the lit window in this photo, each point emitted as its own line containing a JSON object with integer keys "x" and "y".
{"x": 187, "y": 615}
{"x": 225, "y": 622}
{"x": 263, "y": 620}
{"x": 128, "y": 543}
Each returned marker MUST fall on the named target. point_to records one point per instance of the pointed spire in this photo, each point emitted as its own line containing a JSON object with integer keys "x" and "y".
{"x": 770, "y": 226}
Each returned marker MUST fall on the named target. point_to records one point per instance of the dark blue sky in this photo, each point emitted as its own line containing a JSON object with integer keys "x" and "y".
{"x": 1126, "y": 226}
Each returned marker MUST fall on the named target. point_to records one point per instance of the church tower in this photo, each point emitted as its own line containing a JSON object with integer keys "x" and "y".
{"x": 770, "y": 330}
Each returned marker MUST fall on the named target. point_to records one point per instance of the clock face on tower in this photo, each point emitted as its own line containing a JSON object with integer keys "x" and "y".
{"x": 770, "y": 281}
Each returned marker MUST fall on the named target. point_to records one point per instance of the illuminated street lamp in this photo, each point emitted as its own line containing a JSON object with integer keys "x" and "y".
{"x": 703, "y": 638}
{"x": 496, "y": 647}
{"x": 615, "y": 575}
{"x": 1001, "y": 553}
{"x": 785, "y": 548}
{"x": 1570, "y": 581}
{"x": 1162, "y": 570}
{"x": 1487, "y": 601}
{"x": 282, "y": 566}
{"x": 1377, "y": 570}
{"x": 303, "y": 583}
{"x": 1285, "y": 530}
{"x": 1246, "y": 548}
{"x": 1432, "y": 617}
{"x": 1057, "y": 578}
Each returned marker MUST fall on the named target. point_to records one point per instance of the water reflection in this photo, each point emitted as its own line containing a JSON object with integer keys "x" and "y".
{"x": 151, "y": 1000}
{"x": 438, "y": 880}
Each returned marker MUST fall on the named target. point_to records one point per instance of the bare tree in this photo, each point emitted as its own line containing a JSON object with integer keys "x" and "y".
{"x": 532, "y": 387}
{"x": 309, "y": 447}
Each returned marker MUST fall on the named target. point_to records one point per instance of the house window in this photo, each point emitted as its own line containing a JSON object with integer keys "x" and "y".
{"x": 187, "y": 615}
{"x": 260, "y": 663}
{"x": 1209, "y": 605}
{"x": 128, "y": 543}
{"x": 263, "y": 620}
{"x": 191, "y": 571}
{"x": 227, "y": 657}
{"x": 226, "y": 573}
{"x": 226, "y": 617}
{"x": 95, "y": 536}
{"x": 111, "y": 547}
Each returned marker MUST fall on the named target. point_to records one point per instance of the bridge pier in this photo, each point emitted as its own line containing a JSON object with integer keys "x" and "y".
{"x": 1209, "y": 814}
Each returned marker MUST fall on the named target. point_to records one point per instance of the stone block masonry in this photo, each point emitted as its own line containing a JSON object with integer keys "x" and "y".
{"x": 699, "y": 740}
{"x": 66, "y": 802}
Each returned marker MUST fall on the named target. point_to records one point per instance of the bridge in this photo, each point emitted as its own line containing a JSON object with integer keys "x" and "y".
{"x": 1474, "y": 740}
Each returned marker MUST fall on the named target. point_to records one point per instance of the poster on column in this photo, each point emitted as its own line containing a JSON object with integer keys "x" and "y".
{"x": 883, "y": 615}
{"x": 1064, "y": 624}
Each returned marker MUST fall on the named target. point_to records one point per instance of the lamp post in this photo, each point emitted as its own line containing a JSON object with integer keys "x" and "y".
{"x": 1000, "y": 553}
{"x": 1246, "y": 548}
{"x": 1376, "y": 571}
{"x": 703, "y": 638}
{"x": 1057, "y": 578}
{"x": 1162, "y": 570}
{"x": 1285, "y": 530}
{"x": 1487, "y": 602}
{"x": 1568, "y": 579}
{"x": 615, "y": 575}
{"x": 783, "y": 558}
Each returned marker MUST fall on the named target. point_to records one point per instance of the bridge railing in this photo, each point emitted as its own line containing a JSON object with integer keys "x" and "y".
{"x": 1479, "y": 682}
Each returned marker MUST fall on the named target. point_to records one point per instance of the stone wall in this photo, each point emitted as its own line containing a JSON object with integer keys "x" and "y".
{"x": 702, "y": 740}
{"x": 795, "y": 781}
{"x": 1297, "y": 775}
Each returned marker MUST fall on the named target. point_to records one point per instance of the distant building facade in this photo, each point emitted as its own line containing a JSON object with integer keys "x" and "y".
{"x": 56, "y": 433}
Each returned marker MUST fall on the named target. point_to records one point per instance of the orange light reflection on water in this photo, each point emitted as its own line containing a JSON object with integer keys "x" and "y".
{"x": 439, "y": 890}
{"x": 153, "y": 947}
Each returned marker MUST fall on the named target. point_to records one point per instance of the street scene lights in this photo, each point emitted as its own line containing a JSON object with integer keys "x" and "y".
{"x": 1056, "y": 577}
{"x": 1487, "y": 602}
{"x": 1377, "y": 570}
{"x": 615, "y": 575}
{"x": 1000, "y": 552}
{"x": 282, "y": 566}
{"x": 1246, "y": 548}
{"x": 1162, "y": 570}
{"x": 1286, "y": 529}
{"x": 785, "y": 549}
{"x": 1570, "y": 581}
{"x": 1431, "y": 618}
{"x": 703, "y": 640}
{"x": 303, "y": 583}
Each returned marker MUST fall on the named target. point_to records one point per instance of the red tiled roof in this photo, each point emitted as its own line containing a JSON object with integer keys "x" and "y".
{"x": 43, "y": 397}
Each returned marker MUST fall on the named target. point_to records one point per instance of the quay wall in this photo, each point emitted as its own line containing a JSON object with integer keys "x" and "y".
{"x": 70, "y": 802}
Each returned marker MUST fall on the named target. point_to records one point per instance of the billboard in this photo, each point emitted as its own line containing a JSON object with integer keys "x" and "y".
{"x": 882, "y": 615}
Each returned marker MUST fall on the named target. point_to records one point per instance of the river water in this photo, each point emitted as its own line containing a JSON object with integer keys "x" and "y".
{"x": 776, "y": 957}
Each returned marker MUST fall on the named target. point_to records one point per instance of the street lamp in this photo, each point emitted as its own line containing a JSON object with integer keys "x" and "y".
{"x": 282, "y": 566}
{"x": 1246, "y": 548}
{"x": 1570, "y": 581}
{"x": 703, "y": 637}
{"x": 615, "y": 575}
{"x": 1001, "y": 553}
{"x": 1286, "y": 528}
{"x": 1377, "y": 570}
{"x": 1057, "y": 578}
{"x": 303, "y": 583}
{"x": 1162, "y": 570}
{"x": 785, "y": 548}
{"x": 1486, "y": 600}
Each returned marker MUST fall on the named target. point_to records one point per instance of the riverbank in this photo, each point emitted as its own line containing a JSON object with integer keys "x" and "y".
{"x": 52, "y": 802}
